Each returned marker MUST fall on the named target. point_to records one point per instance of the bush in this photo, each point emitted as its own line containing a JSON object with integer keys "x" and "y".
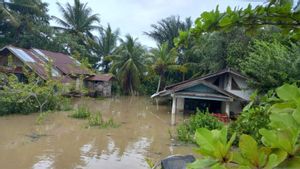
{"x": 249, "y": 122}
{"x": 81, "y": 113}
{"x": 186, "y": 130}
{"x": 33, "y": 96}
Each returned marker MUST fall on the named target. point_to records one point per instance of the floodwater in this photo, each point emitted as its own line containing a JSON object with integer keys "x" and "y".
{"x": 62, "y": 142}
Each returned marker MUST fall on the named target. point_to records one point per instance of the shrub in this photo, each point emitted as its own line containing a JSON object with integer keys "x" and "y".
{"x": 249, "y": 122}
{"x": 81, "y": 113}
{"x": 280, "y": 142}
{"x": 33, "y": 96}
{"x": 186, "y": 130}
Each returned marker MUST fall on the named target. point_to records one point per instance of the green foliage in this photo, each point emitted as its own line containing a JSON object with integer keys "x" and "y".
{"x": 166, "y": 30}
{"x": 128, "y": 64}
{"x": 33, "y": 96}
{"x": 81, "y": 113}
{"x": 215, "y": 145}
{"x": 106, "y": 45}
{"x": 278, "y": 13}
{"x": 285, "y": 121}
{"x": 163, "y": 60}
{"x": 251, "y": 156}
{"x": 271, "y": 64}
{"x": 97, "y": 120}
{"x": 77, "y": 19}
{"x": 186, "y": 130}
{"x": 250, "y": 121}
{"x": 280, "y": 142}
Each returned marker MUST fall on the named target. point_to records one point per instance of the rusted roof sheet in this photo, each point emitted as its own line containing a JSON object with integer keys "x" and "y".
{"x": 65, "y": 63}
{"x": 30, "y": 59}
{"x": 100, "y": 77}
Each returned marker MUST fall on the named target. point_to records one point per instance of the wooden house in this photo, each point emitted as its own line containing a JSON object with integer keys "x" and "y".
{"x": 63, "y": 67}
{"x": 225, "y": 92}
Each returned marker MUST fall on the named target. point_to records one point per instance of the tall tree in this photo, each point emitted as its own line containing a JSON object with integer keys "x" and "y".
{"x": 168, "y": 29}
{"x": 128, "y": 64}
{"x": 24, "y": 23}
{"x": 106, "y": 45}
{"x": 77, "y": 19}
{"x": 163, "y": 60}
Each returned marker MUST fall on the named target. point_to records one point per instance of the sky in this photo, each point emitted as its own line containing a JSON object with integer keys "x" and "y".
{"x": 134, "y": 17}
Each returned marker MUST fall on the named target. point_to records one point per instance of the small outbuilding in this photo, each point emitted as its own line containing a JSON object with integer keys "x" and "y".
{"x": 224, "y": 92}
{"x": 100, "y": 84}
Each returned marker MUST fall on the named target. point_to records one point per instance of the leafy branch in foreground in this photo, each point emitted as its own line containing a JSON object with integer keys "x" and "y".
{"x": 280, "y": 142}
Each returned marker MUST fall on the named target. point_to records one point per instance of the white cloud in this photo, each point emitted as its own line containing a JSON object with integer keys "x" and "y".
{"x": 136, "y": 16}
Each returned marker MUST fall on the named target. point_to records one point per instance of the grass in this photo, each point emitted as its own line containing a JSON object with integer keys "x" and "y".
{"x": 97, "y": 120}
{"x": 94, "y": 120}
{"x": 81, "y": 113}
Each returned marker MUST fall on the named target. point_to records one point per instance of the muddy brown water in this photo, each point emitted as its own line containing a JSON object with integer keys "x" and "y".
{"x": 62, "y": 142}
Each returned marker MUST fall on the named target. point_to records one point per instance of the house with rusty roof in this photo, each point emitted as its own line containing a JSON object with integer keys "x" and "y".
{"x": 224, "y": 92}
{"x": 63, "y": 67}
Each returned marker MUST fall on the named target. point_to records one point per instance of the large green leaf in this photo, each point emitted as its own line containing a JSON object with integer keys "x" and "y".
{"x": 288, "y": 92}
{"x": 277, "y": 157}
{"x": 248, "y": 148}
{"x": 203, "y": 163}
{"x": 296, "y": 114}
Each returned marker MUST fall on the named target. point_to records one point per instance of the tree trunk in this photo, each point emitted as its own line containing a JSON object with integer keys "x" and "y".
{"x": 158, "y": 85}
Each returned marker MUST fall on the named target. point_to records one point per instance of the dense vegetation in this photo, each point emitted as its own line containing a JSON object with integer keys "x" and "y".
{"x": 186, "y": 130}
{"x": 280, "y": 140}
{"x": 262, "y": 42}
{"x": 266, "y": 50}
{"x": 33, "y": 96}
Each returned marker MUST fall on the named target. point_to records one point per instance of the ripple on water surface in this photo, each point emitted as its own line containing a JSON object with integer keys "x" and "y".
{"x": 65, "y": 143}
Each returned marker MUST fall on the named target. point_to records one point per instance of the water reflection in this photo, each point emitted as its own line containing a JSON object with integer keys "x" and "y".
{"x": 67, "y": 144}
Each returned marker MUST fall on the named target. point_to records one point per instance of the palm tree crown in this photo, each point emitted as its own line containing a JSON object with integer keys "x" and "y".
{"x": 167, "y": 29}
{"x": 163, "y": 60}
{"x": 106, "y": 45}
{"x": 77, "y": 18}
{"x": 128, "y": 64}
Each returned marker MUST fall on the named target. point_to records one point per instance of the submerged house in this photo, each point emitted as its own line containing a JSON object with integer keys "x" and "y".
{"x": 225, "y": 92}
{"x": 63, "y": 67}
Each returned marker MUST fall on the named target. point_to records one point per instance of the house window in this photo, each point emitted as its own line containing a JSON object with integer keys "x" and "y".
{"x": 234, "y": 85}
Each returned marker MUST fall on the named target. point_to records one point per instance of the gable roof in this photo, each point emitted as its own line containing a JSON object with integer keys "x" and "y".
{"x": 29, "y": 59}
{"x": 190, "y": 84}
{"x": 224, "y": 71}
{"x": 65, "y": 63}
{"x": 201, "y": 80}
{"x": 100, "y": 77}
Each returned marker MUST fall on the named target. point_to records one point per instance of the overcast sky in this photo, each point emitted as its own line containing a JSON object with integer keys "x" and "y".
{"x": 136, "y": 16}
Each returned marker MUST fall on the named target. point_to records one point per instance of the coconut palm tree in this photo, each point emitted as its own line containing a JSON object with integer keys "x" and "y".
{"x": 106, "y": 45}
{"x": 128, "y": 64}
{"x": 163, "y": 60}
{"x": 77, "y": 19}
{"x": 168, "y": 29}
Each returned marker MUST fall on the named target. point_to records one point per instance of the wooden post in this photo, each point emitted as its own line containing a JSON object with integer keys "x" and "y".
{"x": 227, "y": 108}
{"x": 174, "y": 107}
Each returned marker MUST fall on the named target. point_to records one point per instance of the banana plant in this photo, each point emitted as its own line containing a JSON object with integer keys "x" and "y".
{"x": 215, "y": 147}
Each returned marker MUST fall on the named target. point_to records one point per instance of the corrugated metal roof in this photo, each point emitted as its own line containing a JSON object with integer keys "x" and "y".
{"x": 29, "y": 59}
{"x": 227, "y": 70}
{"x": 65, "y": 63}
{"x": 100, "y": 77}
{"x": 21, "y": 54}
